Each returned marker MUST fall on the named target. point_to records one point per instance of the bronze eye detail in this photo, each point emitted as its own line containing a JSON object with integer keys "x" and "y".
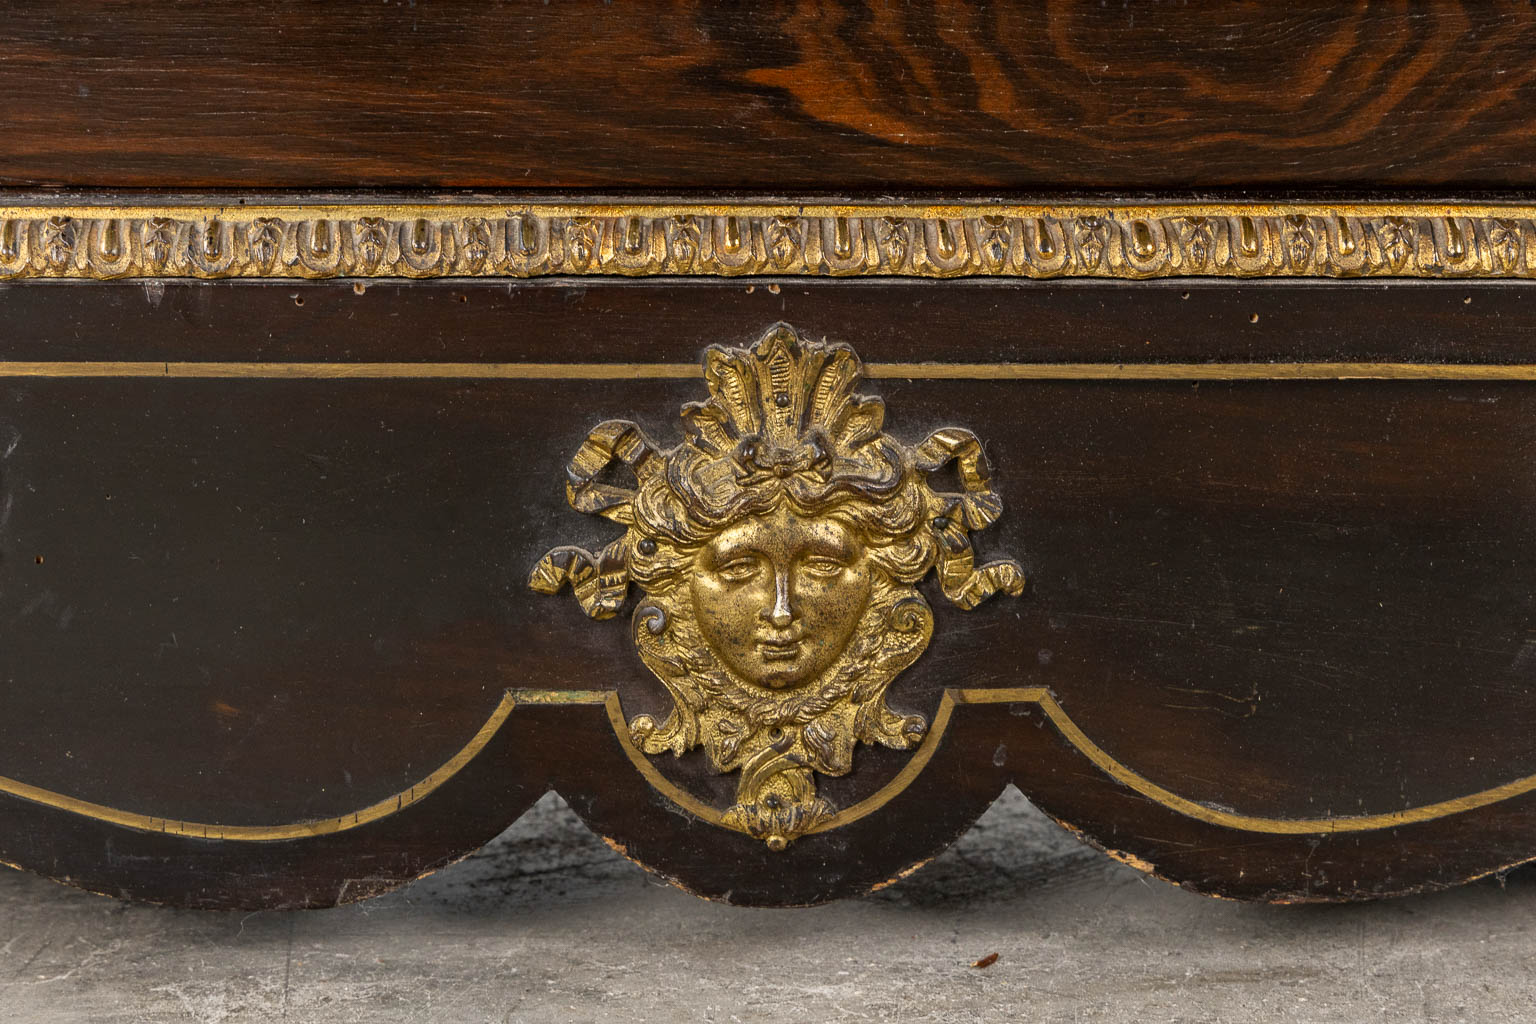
{"x": 824, "y": 566}
{"x": 737, "y": 570}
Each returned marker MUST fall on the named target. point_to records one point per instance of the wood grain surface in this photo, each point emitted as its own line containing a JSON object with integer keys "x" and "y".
{"x": 808, "y": 96}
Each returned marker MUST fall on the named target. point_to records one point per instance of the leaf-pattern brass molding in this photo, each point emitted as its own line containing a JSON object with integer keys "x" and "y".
{"x": 523, "y": 239}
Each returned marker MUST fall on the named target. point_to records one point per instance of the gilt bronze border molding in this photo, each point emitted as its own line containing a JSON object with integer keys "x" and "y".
{"x": 520, "y": 239}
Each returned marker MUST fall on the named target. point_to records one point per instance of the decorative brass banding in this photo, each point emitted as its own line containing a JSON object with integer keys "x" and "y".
{"x": 519, "y": 238}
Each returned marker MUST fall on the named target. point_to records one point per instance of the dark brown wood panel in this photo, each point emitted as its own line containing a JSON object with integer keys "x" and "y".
{"x": 796, "y": 96}
{"x": 618, "y": 321}
{"x": 264, "y": 601}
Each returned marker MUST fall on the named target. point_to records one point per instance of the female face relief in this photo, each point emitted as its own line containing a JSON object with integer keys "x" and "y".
{"x": 778, "y": 596}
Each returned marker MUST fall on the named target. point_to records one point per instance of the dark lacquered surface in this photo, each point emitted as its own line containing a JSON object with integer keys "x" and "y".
{"x": 259, "y": 601}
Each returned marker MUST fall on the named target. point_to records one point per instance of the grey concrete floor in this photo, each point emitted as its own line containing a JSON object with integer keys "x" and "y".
{"x": 547, "y": 924}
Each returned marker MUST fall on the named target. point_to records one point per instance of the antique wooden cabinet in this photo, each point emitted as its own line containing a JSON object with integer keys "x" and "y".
{"x": 777, "y": 429}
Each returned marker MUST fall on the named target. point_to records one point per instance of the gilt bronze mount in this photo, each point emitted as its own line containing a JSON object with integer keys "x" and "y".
{"x": 778, "y": 550}
{"x": 518, "y": 238}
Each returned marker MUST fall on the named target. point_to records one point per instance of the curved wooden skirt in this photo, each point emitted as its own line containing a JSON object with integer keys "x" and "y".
{"x": 267, "y": 638}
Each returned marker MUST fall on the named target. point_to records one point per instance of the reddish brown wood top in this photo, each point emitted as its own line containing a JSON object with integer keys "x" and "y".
{"x": 807, "y": 96}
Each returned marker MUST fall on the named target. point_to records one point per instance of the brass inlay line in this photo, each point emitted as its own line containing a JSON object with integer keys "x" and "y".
{"x": 1243, "y": 822}
{"x": 1038, "y": 696}
{"x": 266, "y": 833}
{"x": 353, "y": 371}
{"x": 688, "y": 371}
{"x": 1203, "y": 371}
{"x": 1106, "y": 763}
{"x": 699, "y": 809}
